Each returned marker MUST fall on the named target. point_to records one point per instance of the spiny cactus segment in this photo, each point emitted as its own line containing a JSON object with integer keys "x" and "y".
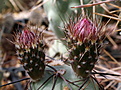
{"x": 84, "y": 42}
{"x": 30, "y": 46}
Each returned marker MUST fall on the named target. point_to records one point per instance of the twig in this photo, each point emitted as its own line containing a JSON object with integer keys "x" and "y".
{"x": 105, "y": 7}
{"x": 14, "y": 5}
{"x": 118, "y": 30}
{"x": 117, "y": 68}
{"x": 112, "y": 41}
{"x": 94, "y": 9}
{"x": 106, "y": 69}
{"x": 114, "y": 5}
{"x": 106, "y": 87}
{"x": 118, "y": 79}
{"x": 111, "y": 17}
{"x": 111, "y": 57}
{"x": 39, "y": 5}
{"x": 104, "y": 73}
{"x": 90, "y": 5}
{"x": 83, "y": 13}
{"x": 19, "y": 5}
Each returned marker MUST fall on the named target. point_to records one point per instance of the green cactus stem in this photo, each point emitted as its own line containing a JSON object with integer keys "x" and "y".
{"x": 65, "y": 80}
{"x": 58, "y": 11}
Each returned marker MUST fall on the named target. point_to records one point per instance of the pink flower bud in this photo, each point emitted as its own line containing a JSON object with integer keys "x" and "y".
{"x": 84, "y": 30}
{"x": 27, "y": 39}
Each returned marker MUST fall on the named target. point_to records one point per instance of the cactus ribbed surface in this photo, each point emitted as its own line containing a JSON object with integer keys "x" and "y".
{"x": 84, "y": 61}
{"x": 84, "y": 42}
{"x": 60, "y": 83}
{"x": 30, "y": 51}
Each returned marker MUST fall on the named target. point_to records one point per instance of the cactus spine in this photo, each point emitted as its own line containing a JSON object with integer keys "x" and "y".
{"x": 83, "y": 37}
{"x": 30, "y": 51}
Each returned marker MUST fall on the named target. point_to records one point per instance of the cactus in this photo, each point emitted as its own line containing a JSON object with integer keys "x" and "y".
{"x": 84, "y": 41}
{"x": 66, "y": 73}
{"x": 83, "y": 37}
{"x": 60, "y": 10}
{"x": 30, "y": 51}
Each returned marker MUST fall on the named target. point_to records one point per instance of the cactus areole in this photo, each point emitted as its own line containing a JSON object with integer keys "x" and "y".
{"x": 30, "y": 52}
{"x": 83, "y": 38}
